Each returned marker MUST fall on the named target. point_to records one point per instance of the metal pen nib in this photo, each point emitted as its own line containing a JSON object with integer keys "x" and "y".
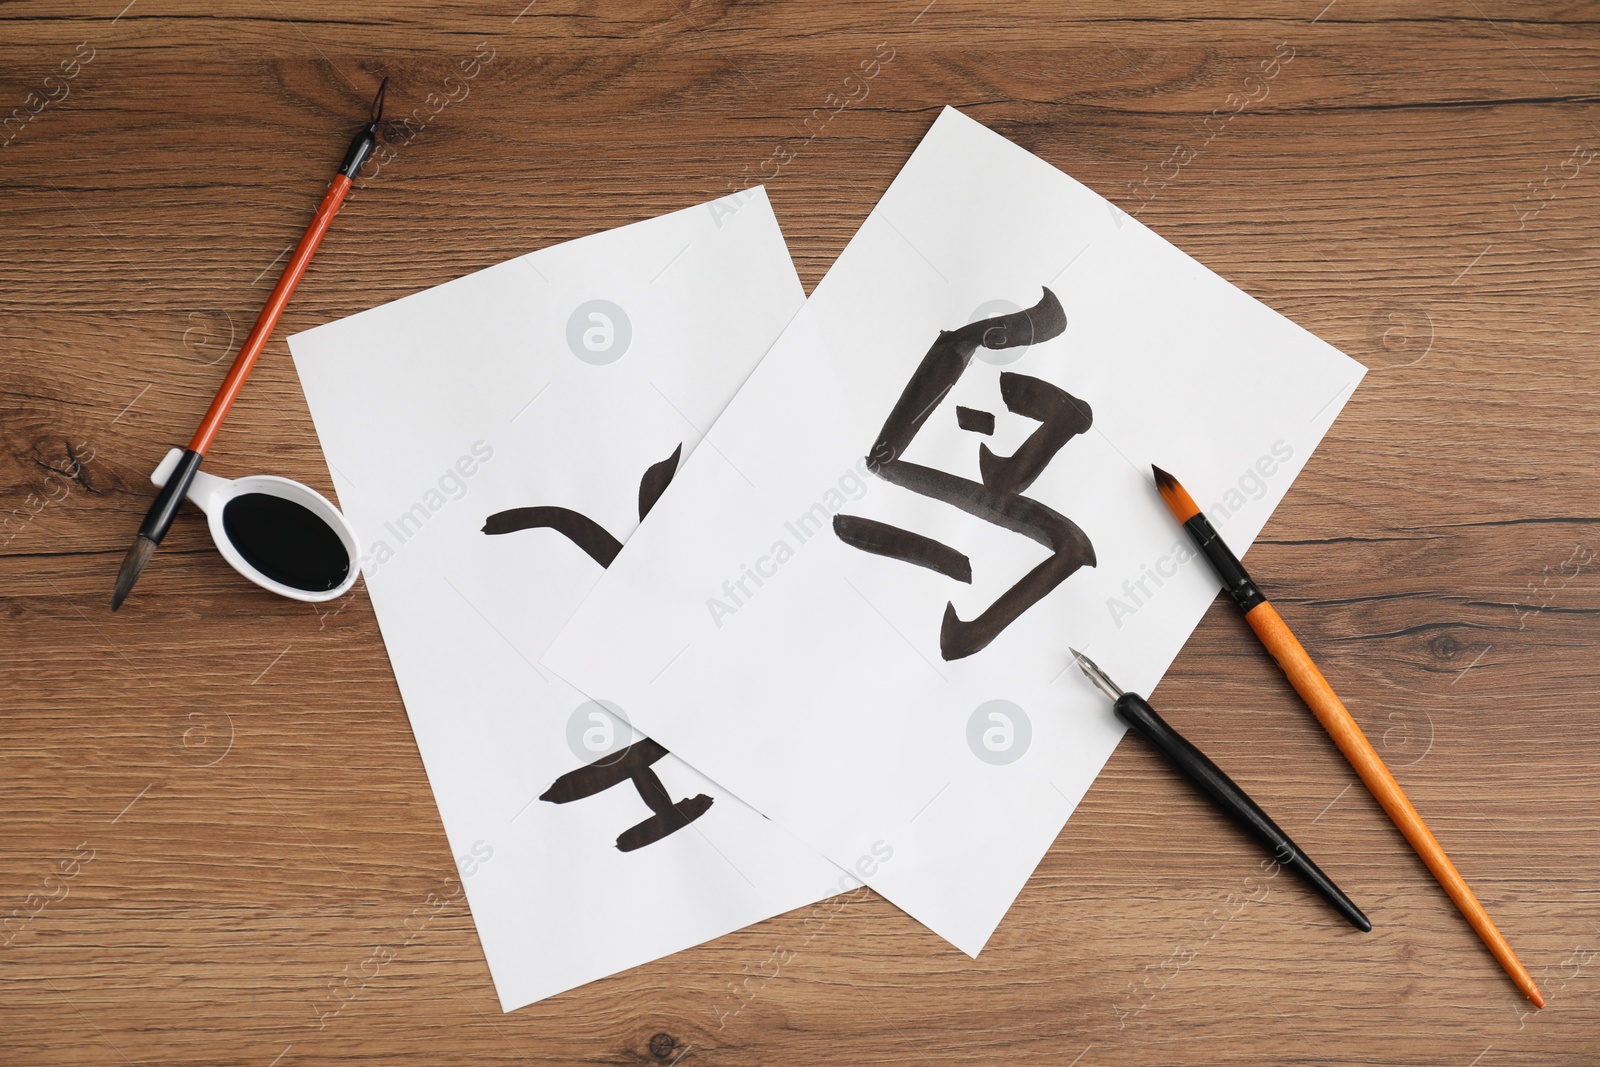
{"x": 1101, "y": 681}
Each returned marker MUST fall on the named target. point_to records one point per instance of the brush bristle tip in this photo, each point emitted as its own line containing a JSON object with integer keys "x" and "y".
{"x": 133, "y": 565}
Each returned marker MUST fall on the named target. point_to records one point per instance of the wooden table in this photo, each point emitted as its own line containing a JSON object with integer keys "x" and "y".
{"x": 217, "y": 845}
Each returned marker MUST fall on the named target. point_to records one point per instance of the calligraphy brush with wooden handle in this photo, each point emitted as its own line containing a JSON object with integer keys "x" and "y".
{"x": 158, "y": 520}
{"x": 1319, "y": 696}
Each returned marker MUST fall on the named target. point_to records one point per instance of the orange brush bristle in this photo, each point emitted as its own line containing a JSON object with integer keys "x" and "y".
{"x": 1177, "y": 497}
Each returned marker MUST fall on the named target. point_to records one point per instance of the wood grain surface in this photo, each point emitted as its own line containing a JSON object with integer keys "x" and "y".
{"x": 213, "y": 818}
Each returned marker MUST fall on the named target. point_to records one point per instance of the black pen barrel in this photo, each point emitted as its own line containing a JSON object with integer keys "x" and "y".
{"x": 1210, "y": 780}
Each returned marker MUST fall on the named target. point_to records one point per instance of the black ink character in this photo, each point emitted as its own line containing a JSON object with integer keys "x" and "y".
{"x": 580, "y": 529}
{"x": 997, "y": 498}
{"x": 634, "y": 761}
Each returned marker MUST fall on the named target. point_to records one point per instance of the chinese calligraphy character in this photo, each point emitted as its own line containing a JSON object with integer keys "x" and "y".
{"x": 635, "y": 761}
{"x": 632, "y": 762}
{"x": 578, "y": 528}
{"x": 997, "y": 497}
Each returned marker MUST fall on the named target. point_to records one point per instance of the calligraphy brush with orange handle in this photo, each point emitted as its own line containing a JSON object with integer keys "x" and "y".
{"x": 1319, "y": 696}
{"x": 158, "y": 520}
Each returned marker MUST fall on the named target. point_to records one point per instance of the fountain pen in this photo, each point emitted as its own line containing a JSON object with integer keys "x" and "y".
{"x": 1134, "y": 710}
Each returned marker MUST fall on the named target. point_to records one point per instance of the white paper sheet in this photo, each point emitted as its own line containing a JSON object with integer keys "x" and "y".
{"x": 807, "y": 675}
{"x": 555, "y": 380}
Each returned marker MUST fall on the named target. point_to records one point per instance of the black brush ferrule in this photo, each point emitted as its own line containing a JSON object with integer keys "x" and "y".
{"x": 158, "y": 520}
{"x": 1235, "y": 579}
{"x": 361, "y": 147}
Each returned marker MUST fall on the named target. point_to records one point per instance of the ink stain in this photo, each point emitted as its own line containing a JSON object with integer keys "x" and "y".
{"x": 286, "y": 542}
